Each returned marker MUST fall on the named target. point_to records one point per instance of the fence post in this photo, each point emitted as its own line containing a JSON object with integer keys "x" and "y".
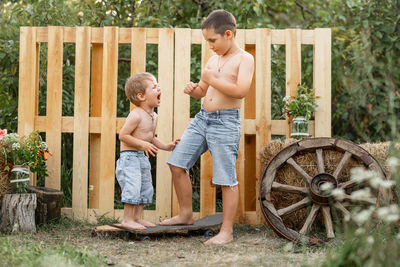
{"x": 108, "y": 121}
{"x": 165, "y": 121}
{"x": 28, "y": 69}
{"x": 81, "y": 123}
{"x": 322, "y": 82}
{"x": 54, "y": 104}
{"x": 263, "y": 100}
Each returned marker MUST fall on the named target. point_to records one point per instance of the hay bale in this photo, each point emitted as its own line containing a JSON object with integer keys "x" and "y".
{"x": 308, "y": 161}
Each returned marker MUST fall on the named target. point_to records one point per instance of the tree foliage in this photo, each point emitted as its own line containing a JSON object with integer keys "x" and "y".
{"x": 365, "y": 50}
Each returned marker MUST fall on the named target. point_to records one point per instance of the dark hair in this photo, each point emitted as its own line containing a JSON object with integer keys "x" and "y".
{"x": 220, "y": 21}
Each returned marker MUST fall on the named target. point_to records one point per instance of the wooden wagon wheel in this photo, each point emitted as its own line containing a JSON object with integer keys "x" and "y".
{"x": 307, "y": 193}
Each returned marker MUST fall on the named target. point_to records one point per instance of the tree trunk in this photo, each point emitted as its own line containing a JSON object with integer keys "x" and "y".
{"x": 18, "y": 213}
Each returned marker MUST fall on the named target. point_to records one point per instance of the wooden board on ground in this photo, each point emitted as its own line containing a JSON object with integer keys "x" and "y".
{"x": 204, "y": 224}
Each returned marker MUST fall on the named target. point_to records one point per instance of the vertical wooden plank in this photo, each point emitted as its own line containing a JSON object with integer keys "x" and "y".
{"x": 322, "y": 82}
{"x": 181, "y": 100}
{"x": 81, "y": 123}
{"x": 165, "y": 121}
{"x": 95, "y": 111}
{"x": 27, "y": 80}
{"x": 250, "y": 140}
{"x": 293, "y": 65}
{"x": 263, "y": 100}
{"x": 54, "y": 105}
{"x": 108, "y": 121}
{"x": 138, "y": 52}
{"x": 240, "y": 38}
{"x": 207, "y": 191}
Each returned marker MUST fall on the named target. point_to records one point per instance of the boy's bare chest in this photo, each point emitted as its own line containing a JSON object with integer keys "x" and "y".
{"x": 226, "y": 69}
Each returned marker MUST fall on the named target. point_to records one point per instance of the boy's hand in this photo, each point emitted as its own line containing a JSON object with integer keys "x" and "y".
{"x": 149, "y": 148}
{"x": 207, "y": 75}
{"x": 190, "y": 87}
{"x": 172, "y": 145}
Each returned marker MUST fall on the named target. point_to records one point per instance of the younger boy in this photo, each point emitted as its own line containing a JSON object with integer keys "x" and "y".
{"x": 138, "y": 142}
{"x": 225, "y": 80}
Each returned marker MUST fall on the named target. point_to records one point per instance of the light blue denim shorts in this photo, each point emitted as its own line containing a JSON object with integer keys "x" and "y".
{"x": 134, "y": 177}
{"x": 217, "y": 131}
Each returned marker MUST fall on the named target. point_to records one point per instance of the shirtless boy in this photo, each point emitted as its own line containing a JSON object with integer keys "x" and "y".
{"x": 224, "y": 82}
{"x": 138, "y": 142}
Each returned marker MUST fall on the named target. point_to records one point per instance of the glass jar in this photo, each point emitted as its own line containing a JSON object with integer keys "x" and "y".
{"x": 299, "y": 128}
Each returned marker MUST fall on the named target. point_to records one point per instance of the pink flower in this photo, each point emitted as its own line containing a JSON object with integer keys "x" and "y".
{"x": 2, "y": 133}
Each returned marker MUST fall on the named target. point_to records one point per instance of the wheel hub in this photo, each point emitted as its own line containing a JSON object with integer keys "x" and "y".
{"x": 317, "y": 194}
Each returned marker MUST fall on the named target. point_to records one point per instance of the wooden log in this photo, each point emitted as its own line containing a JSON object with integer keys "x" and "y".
{"x": 18, "y": 213}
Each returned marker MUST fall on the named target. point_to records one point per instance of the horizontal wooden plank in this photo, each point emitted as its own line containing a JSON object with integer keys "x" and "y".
{"x": 125, "y": 36}
{"x": 249, "y": 125}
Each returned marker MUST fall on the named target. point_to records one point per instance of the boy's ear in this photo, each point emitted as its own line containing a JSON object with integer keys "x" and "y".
{"x": 141, "y": 97}
{"x": 229, "y": 34}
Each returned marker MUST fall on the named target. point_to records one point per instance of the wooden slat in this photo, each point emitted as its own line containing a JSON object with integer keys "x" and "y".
{"x": 95, "y": 111}
{"x": 207, "y": 192}
{"x": 81, "y": 123}
{"x": 240, "y": 171}
{"x": 249, "y": 123}
{"x": 322, "y": 82}
{"x": 138, "y": 52}
{"x": 54, "y": 105}
{"x": 108, "y": 124}
{"x": 165, "y": 121}
{"x": 28, "y": 57}
{"x": 263, "y": 98}
{"x": 181, "y": 100}
{"x": 293, "y": 66}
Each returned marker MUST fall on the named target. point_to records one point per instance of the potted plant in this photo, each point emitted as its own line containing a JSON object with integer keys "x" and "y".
{"x": 20, "y": 157}
{"x": 300, "y": 109}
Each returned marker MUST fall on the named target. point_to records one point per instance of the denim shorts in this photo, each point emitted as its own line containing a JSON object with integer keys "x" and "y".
{"x": 134, "y": 177}
{"x": 218, "y": 132}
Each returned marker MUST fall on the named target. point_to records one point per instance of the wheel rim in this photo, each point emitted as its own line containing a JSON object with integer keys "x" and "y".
{"x": 309, "y": 194}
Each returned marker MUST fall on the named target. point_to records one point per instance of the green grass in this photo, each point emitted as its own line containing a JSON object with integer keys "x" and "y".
{"x": 15, "y": 252}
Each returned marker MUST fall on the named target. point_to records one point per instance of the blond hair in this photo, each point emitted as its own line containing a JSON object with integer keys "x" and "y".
{"x": 136, "y": 85}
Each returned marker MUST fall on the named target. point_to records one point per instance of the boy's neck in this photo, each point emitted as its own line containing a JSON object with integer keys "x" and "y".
{"x": 233, "y": 49}
{"x": 147, "y": 108}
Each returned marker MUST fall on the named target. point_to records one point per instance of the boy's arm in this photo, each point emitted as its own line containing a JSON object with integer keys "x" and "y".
{"x": 157, "y": 142}
{"x": 167, "y": 147}
{"x": 243, "y": 82}
{"x": 125, "y": 135}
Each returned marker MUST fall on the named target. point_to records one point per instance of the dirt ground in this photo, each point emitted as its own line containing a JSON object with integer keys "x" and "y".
{"x": 253, "y": 246}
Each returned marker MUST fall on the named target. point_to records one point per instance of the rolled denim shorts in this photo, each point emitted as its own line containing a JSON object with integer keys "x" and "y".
{"x": 218, "y": 132}
{"x": 134, "y": 177}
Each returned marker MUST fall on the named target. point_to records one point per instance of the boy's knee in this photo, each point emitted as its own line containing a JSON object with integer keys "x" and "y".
{"x": 176, "y": 170}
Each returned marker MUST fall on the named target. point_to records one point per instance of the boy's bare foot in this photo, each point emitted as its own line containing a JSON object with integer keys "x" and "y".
{"x": 177, "y": 220}
{"x": 220, "y": 239}
{"x": 146, "y": 223}
{"x": 133, "y": 226}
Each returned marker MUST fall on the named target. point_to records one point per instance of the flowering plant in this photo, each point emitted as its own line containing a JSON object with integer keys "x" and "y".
{"x": 26, "y": 150}
{"x": 303, "y": 104}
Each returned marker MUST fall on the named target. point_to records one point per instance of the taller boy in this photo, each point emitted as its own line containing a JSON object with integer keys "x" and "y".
{"x": 225, "y": 80}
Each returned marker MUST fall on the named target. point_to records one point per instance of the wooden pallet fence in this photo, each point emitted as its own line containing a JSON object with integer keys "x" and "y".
{"x": 96, "y": 94}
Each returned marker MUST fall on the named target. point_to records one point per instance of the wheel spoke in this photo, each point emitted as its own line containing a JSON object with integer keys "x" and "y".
{"x": 310, "y": 219}
{"x": 349, "y": 183}
{"x": 294, "y": 207}
{"x": 341, "y": 165}
{"x": 326, "y": 213}
{"x": 320, "y": 160}
{"x": 340, "y": 207}
{"x": 307, "y": 178}
{"x": 365, "y": 200}
{"x": 289, "y": 188}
